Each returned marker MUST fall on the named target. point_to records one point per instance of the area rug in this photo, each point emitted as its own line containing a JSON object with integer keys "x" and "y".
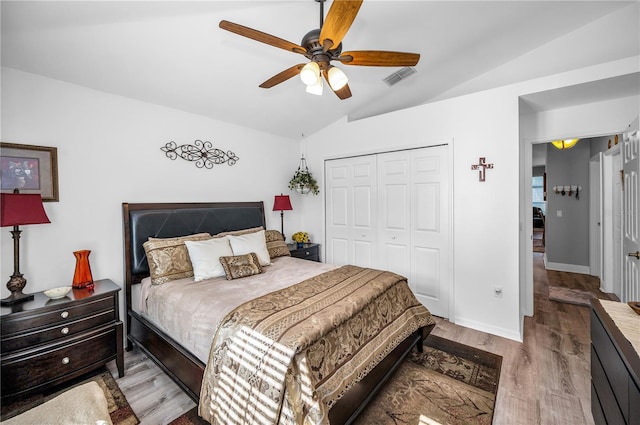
{"x": 119, "y": 409}
{"x": 571, "y": 296}
{"x": 449, "y": 383}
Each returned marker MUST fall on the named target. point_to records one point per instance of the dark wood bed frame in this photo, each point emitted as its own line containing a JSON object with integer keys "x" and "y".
{"x": 162, "y": 220}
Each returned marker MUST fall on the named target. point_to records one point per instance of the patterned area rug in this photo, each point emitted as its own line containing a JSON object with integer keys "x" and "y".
{"x": 119, "y": 409}
{"x": 450, "y": 383}
{"x": 571, "y": 296}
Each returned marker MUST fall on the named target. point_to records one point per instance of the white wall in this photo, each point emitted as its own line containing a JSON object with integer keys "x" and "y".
{"x": 486, "y": 216}
{"x": 109, "y": 153}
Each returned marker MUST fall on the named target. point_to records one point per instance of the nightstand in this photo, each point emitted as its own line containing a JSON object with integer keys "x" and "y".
{"x": 309, "y": 251}
{"x": 46, "y": 342}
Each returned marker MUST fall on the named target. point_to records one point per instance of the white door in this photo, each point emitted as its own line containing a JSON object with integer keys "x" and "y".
{"x": 390, "y": 211}
{"x": 351, "y": 231}
{"x": 430, "y": 231}
{"x": 631, "y": 196}
{"x": 394, "y": 203}
{"x": 595, "y": 216}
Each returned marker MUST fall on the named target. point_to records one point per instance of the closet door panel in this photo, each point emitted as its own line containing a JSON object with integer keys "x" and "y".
{"x": 351, "y": 215}
{"x": 426, "y": 278}
{"x": 393, "y": 207}
{"x": 429, "y": 277}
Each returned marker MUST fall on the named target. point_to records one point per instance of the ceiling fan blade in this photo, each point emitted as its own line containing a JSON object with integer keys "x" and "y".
{"x": 282, "y": 76}
{"x": 338, "y": 21}
{"x": 343, "y": 93}
{"x": 378, "y": 58}
{"x": 262, "y": 37}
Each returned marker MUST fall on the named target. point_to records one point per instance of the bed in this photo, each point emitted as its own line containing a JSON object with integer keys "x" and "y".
{"x": 188, "y": 366}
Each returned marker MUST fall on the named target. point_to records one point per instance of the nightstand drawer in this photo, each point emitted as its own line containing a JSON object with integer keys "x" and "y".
{"x": 34, "y": 368}
{"x": 307, "y": 252}
{"x": 64, "y": 314}
{"x": 63, "y": 330}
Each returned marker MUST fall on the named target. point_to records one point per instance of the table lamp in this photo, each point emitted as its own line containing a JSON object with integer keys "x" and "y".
{"x": 18, "y": 209}
{"x": 282, "y": 203}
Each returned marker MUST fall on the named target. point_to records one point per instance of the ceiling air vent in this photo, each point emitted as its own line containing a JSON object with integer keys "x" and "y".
{"x": 399, "y": 75}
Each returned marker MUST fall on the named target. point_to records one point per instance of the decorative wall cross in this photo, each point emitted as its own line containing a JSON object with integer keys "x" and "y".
{"x": 481, "y": 167}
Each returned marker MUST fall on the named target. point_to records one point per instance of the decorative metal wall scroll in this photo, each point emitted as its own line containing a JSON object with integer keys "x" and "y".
{"x": 481, "y": 167}
{"x": 202, "y": 153}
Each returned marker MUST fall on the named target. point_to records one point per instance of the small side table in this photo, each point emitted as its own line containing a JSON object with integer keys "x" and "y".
{"x": 309, "y": 251}
{"x": 46, "y": 342}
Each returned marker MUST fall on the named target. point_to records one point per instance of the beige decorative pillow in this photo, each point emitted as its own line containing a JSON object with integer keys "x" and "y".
{"x": 205, "y": 257}
{"x": 239, "y": 266}
{"x": 169, "y": 259}
{"x": 251, "y": 242}
{"x": 276, "y": 245}
{"x": 239, "y": 232}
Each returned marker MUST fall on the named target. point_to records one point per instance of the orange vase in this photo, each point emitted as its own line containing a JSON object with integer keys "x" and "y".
{"x": 82, "y": 276}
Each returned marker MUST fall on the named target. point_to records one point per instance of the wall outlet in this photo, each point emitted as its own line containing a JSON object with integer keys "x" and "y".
{"x": 559, "y": 213}
{"x": 497, "y": 291}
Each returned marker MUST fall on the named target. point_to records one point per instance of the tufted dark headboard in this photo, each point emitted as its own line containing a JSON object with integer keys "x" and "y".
{"x": 164, "y": 220}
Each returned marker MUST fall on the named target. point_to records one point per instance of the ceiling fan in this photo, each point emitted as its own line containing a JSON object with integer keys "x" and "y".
{"x": 321, "y": 46}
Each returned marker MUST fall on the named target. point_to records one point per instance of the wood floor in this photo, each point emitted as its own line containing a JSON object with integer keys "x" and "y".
{"x": 544, "y": 380}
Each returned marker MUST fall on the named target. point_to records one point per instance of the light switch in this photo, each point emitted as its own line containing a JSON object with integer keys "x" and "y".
{"x": 559, "y": 213}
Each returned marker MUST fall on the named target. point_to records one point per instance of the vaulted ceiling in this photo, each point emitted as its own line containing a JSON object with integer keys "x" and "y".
{"x": 173, "y": 53}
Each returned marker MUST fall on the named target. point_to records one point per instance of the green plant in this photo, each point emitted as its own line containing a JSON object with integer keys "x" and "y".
{"x": 303, "y": 182}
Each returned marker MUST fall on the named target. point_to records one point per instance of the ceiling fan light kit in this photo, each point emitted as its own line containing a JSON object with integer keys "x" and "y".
{"x": 310, "y": 73}
{"x": 321, "y": 46}
{"x": 315, "y": 88}
{"x": 337, "y": 78}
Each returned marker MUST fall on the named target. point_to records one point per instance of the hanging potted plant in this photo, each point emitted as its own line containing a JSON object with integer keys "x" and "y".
{"x": 302, "y": 180}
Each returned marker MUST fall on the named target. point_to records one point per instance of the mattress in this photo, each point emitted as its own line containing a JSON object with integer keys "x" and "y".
{"x": 190, "y": 312}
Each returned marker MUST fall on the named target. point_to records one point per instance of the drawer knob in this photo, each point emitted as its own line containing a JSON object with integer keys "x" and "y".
{"x": 64, "y": 314}
{"x": 306, "y": 253}
{"x": 65, "y": 360}
{"x": 64, "y": 331}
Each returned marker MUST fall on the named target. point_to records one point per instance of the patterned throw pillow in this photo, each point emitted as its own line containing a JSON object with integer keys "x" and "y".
{"x": 239, "y": 266}
{"x": 169, "y": 259}
{"x": 276, "y": 245}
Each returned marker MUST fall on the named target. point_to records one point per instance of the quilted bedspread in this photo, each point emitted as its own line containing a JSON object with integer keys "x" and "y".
{"x": 288, "y": 356}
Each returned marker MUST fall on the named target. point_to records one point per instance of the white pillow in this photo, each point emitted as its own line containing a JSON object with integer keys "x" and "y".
{"x": 205, "y": 257}
{"x": 251, "y": 242}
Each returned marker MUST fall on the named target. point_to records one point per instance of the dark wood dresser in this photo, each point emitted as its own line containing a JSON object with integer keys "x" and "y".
{"x": 46, "y": 342}
{"x": 309, "y": 251}
{"x": 615, "y": 371}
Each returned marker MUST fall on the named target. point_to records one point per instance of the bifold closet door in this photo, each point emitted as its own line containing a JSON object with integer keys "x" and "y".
{"x": 351, "y": 219}
{"x": 413, "y": 222}
{"x": 390, "y": 211}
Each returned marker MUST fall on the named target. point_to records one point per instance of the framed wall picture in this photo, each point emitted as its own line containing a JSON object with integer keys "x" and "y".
{"x": 31, "y": 169}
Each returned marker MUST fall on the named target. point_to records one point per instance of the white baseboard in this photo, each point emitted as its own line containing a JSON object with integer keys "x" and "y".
{"x": 494, "y": 330}
{"x": 561, "y": 267}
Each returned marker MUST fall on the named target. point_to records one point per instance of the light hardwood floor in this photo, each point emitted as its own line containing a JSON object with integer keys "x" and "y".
{"x": 544, "y": 380}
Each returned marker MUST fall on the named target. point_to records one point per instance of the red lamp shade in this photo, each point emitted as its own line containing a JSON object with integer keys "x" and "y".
{"x": 17, "y": 209}
{"x": 282, "y": 203}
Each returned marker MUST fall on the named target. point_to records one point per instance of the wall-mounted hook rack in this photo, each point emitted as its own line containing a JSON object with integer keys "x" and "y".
{"x": 568, "y": 190}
